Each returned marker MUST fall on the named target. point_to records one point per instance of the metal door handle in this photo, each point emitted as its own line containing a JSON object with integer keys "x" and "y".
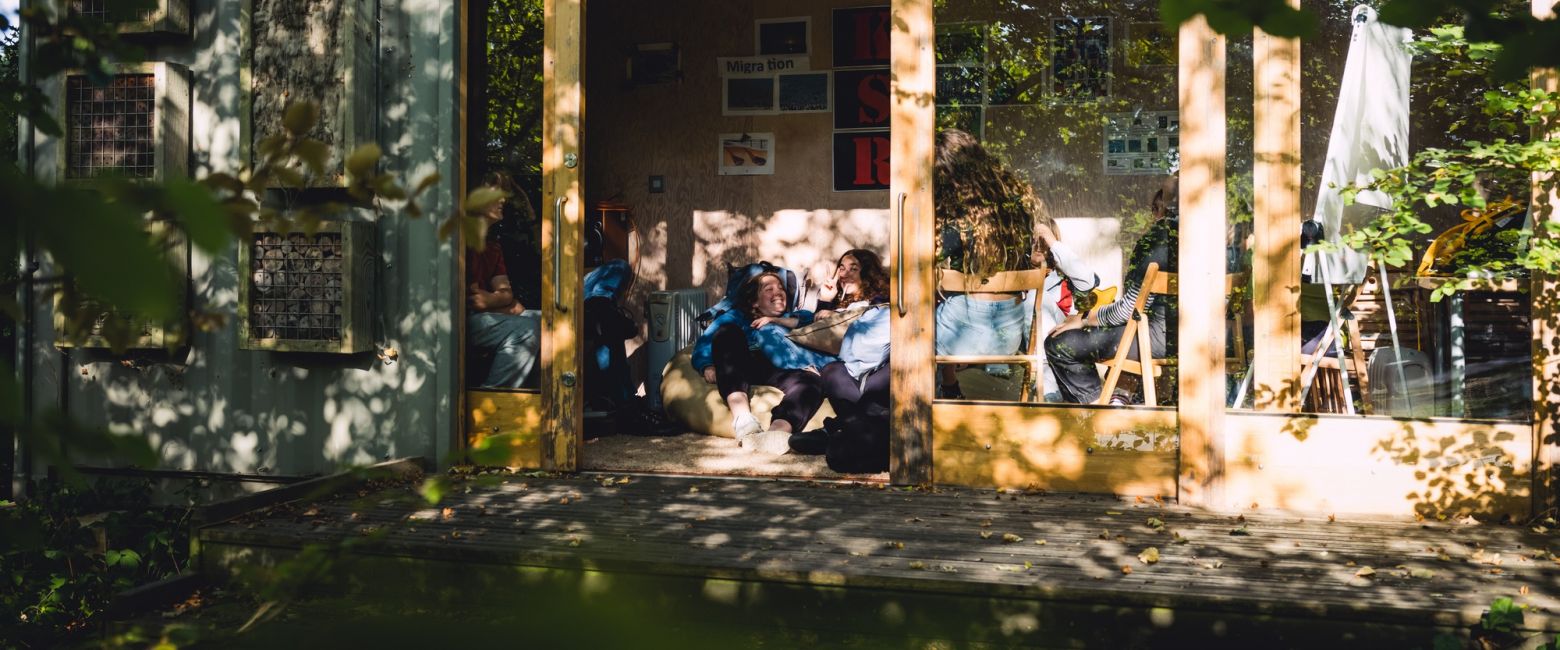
{"x": 558, "y": 252}
{"x": 899, "y": 258}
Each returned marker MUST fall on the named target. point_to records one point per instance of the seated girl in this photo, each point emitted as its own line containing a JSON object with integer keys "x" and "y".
{"x": 748, "y": 345}
{"x": 989, "y": 221}
{"x": 857, "y": 384}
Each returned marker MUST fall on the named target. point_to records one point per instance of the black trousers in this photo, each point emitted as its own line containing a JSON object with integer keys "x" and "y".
{"x": 1072, "y": 355}
{"x": 737, "y": 369}
{"x": 850, "y": 396}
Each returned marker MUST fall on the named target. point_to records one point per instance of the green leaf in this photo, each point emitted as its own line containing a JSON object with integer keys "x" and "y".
{"x": 314, "y": 154}
{"x": 362, "y": 162}
{"x": 203, "y": 218}
{"x": 482, "y": 199}
{"x": 433, "y": 490}
{"x": 104, "y": 245}
{"x": 301, "y": 117}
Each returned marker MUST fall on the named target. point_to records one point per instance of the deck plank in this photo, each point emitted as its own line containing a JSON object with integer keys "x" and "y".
{"x": 851, "y": 535}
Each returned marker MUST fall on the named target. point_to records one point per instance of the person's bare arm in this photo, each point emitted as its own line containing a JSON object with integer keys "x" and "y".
{"x": 501, "y": 298}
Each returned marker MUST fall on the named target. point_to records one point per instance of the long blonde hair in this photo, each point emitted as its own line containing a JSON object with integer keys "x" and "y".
{"x": 994, "y": 210}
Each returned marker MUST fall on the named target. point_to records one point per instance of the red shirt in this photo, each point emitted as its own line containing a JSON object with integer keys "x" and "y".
{"x": 482, "y": 267}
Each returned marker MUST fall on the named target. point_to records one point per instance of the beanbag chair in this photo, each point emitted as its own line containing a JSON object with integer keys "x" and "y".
{"x": 696, "y": 403}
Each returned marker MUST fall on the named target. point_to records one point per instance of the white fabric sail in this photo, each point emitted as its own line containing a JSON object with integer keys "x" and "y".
{"x": 1369, "y": 131}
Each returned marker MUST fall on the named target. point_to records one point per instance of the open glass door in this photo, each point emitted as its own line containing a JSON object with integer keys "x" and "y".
{"x": 1033, "y": 151}
{"x": 523, "y": 132}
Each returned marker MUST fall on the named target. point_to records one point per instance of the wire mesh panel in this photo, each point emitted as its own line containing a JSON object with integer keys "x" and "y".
{"x": 297, "y": 280}
{"x": 99, "y": 9}
{"x": 111, "y": 127}
{"x": 308, "y": 292}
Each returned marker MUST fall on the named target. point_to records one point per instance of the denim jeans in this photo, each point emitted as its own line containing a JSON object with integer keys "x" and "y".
{"x": 514, "y": 341}
{"x": 969, "y": 326}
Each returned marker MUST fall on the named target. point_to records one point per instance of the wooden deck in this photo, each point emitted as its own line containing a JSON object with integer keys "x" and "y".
{"x": 1214, "y": 572}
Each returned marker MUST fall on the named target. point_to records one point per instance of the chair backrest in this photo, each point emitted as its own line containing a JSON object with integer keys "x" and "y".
{"x": 1003, "y": 282}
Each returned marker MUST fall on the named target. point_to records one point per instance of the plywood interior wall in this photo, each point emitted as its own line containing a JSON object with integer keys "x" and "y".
{"x": 703, "y": 222}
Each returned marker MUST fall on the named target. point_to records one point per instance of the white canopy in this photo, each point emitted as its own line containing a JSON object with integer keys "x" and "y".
{"x": 1370, "y": 131}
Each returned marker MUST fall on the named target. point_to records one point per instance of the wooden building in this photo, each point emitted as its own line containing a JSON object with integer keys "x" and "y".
{"x": 634, "y": 101}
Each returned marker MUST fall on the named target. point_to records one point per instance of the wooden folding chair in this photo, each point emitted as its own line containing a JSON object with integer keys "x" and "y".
{"x": 1328, "y": 392}
{"x": 1031, "y": 356}
{"x": 1154, "y": 283}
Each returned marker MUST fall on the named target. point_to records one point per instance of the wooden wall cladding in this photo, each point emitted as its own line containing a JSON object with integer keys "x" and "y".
{"x": 1107, "y": 450}
{"x": 504, "y": 428}
{"x": 1377, "y": 465}
{"x": 320, "y": 51}
{"x": 704, "y": 221}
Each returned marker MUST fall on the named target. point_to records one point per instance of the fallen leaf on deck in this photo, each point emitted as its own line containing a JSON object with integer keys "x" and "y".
{"x": 1425, "y": 574}
{"x": 985, "y": 534}
{"x": 1126, "y": 570}
{"x": 447, "y": 513}
{"x": 1105, "y": 534}
{"x": 1039, "y": 542}
{"x": 1149, "y": 555}
{"x": 1176, "y": 538}
{"x": 1112, "y": 513}
{"x": 895, "y": 545}
{"x": 1238, "y": 532}
{"x": 693, "y": 489}
{"x": 574, "y": 541}
{"x": 1156, "y": 523}
{"x": 1332, "y": 518}
{"x": 918, "y": 565}
{"x": 1010, "y": 538}
{"x": 1365, "y": 572}
{"x": 1213, "y": 565}
{"x": 985, "y": 524}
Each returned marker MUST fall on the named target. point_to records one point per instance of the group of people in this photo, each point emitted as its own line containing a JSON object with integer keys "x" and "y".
{"x": 989, "y": 220}
{"x": 503, "y": 325}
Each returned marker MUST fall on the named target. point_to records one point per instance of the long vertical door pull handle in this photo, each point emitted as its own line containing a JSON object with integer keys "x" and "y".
{"x": 899, "y": 257}
{"x": 558, "y": 252}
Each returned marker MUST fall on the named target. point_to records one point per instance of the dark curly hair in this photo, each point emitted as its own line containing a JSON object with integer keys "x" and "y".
{"x": 874, "y": 278}
{"x": 747, "y": 296}
{"x": 993, "y": 208}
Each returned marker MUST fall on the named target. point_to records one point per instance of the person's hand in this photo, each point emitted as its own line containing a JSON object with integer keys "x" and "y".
{"x": 1074, "y": 321}
{"x": 709, "y": 375}
{"x": 1045, "y": 234}
{"x": 830, "y": 289}
{"x": 515, "y": 308}
{"x": 761, "y": 321}
{"x": 480, "y": 300}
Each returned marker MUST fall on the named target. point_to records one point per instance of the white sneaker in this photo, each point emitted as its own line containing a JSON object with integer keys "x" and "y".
{"x": 744, "y": 427}
{"x": 772, "y": 442}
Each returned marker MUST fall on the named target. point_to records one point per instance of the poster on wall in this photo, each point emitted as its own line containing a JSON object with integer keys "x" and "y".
{"x": 746, "y": 154}
{"x": 746, "y": 96}
{"x": 804, "y": 92}
{"x": 1141, "y": 143}
{"x": 861, "y": 37}
{"x": 783, "y": 36}
{"x": 861, "y": 99}
{"x": 1080, "y": 57}
{"x": 861, "y": 161}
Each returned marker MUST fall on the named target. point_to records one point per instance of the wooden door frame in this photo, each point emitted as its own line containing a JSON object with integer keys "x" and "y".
{"x": 537, "y": 430}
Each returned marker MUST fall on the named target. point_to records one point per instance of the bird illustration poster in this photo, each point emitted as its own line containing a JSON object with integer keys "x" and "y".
{"x": 747, "y": 154}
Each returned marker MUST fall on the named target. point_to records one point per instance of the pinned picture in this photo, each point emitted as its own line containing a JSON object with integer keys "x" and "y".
{"x": 783, "y": 36}
{"x": 747, "y": 154}
{"x": 655, "y": 63}
{"x": 748, "y": 96}
{"x": 805, "y": 92}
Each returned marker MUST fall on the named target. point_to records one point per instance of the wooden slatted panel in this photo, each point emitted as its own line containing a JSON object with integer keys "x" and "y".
{"x": 944, "y": 541}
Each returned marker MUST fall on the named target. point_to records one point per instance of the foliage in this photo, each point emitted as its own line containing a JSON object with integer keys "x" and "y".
{"x": 67, "y": 551}
{"x": 1472, "y": 172}
{"x": 1524, "y": 41}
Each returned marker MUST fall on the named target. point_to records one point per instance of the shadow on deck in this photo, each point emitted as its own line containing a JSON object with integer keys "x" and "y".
{"x": 617, "y": 560}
